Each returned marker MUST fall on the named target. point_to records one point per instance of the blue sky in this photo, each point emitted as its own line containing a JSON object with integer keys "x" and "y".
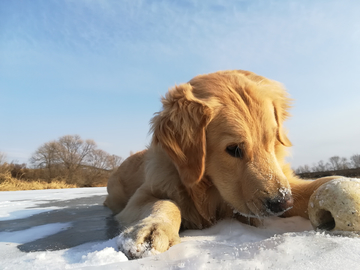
{"x": 99, "y": 68}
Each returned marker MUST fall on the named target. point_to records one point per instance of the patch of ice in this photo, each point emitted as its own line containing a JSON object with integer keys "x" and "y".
{"x": 19, "y": 214}
{"x": 33, "y": 233}
{"x": 22, "y": 204}
{"x": 34, "y": 197}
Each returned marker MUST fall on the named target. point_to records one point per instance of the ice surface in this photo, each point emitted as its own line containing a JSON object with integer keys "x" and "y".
{"x": 279, "y": 244}
{"x": 23, "y": 203}
{"x": 19, "y": 214}
{"x": 33, "y": 233}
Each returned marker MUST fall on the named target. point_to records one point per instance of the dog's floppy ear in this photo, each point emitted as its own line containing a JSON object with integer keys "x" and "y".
{"x": 281, "y": 114}
{"x": 180, "y": 129}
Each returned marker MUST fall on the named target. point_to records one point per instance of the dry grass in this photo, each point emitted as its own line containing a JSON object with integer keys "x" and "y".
{"x": 19, "y": 177}
{"x": 8, "y": 183}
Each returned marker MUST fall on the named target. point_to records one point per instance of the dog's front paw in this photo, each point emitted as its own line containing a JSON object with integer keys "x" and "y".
{"x": 149, "y": 237}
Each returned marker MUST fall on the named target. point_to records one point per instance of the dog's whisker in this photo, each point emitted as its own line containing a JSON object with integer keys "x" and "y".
{"x": 256, "y": 191}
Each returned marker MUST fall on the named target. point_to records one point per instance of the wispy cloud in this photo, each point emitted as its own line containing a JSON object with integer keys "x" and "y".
{"x": 216, "y": 31}
{"x": 59, "y": 48}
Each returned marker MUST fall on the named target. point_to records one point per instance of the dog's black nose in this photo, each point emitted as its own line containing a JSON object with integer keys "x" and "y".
{"x": 279, "y": 205}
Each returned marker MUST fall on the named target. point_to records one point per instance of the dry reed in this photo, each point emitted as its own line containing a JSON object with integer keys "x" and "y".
{"x": 8, "y": 183}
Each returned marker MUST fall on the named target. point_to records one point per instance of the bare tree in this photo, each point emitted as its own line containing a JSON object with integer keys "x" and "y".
{"x": 307, "y": 168}
{"x": 96, "y": 168}
{"x": 114, "y": 161}
{"x": 77, "y": 160}
{"x": 344, "y": 164}
{"x": 46, "y": 156}
{"x": 98, "y": 159}
{"x": 298, "y": 170}
{"x": 328, "y": 166}
{"x": 303, "y": 169}
{"x": 321, "y": 166}
{"x": 355, "y": 161}
{"x": 103, "y": 160}
{"x": 72, "y": 151}
{"x": 335, "y": 163}
{"x": 315, "y": 168}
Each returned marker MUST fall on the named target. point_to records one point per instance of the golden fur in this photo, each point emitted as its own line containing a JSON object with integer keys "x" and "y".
{"x": 217, "y": 152}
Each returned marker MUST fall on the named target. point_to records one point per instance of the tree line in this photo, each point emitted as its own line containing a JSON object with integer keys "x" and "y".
{"x": 70, "y": 158}
{"x": 334, "y": 163}
{"x": 81, "y": 162}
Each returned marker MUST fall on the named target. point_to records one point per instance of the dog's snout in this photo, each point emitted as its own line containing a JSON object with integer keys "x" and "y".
{"x": 279, "y": 205}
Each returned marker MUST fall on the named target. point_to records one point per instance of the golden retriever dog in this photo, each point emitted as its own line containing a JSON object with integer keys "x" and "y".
{"x": 217, "y": 152}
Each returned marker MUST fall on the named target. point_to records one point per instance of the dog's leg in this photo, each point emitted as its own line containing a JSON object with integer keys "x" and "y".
{"x": 301, "y": 191}
{"x": 151, "y": 226}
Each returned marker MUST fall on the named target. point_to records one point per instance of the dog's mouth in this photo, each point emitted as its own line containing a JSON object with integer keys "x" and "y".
{"x": 276, "y": 214}
{"x": 248, "y": 214}
{"x": 273, "y": 205}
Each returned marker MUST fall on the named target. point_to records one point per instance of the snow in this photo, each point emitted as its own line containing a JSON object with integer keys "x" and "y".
{"x": 141, "y": 250}
{"x": 278, "y": 244}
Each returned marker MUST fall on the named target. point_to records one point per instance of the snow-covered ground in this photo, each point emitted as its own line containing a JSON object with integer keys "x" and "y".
{"x": 279, "y": 244}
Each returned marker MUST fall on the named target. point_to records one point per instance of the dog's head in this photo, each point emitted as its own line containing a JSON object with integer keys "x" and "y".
{"x": 227, "y": 126}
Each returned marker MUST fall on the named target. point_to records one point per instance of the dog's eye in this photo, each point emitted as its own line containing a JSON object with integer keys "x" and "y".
{"x": 235, "y": 151}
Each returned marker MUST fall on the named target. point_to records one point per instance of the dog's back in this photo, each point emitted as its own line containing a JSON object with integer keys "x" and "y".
{"x": 125, "y": 181}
